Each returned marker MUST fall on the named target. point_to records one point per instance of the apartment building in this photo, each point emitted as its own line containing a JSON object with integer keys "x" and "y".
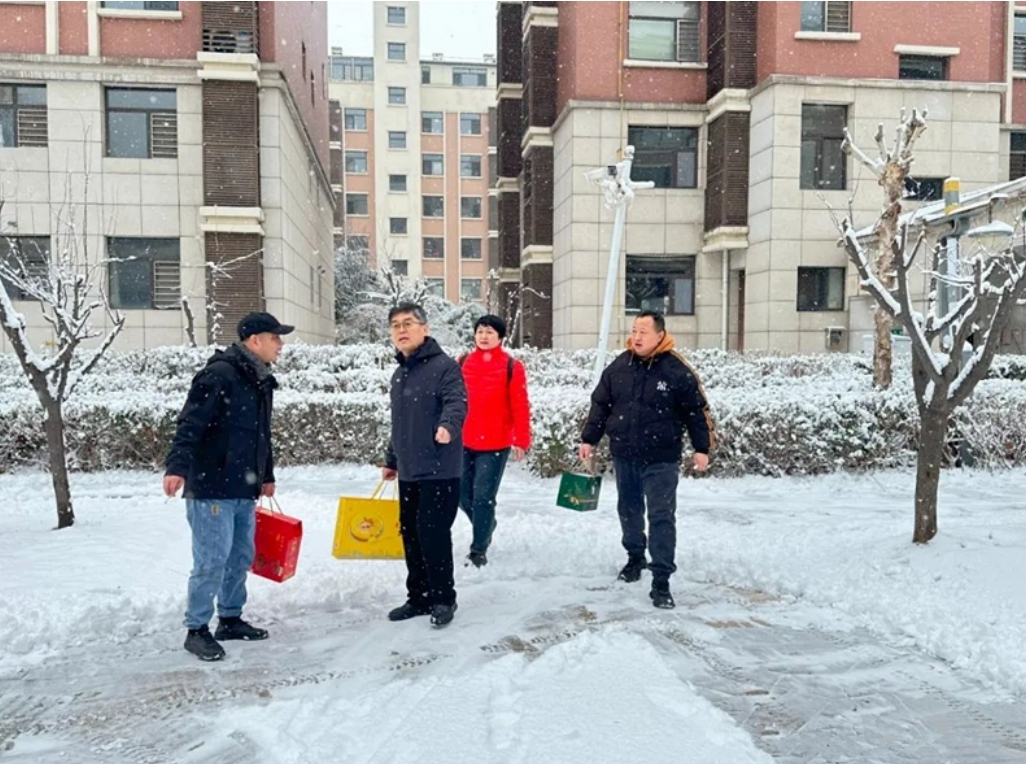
{"x": 189, "y": 144}
{"x": 736, "y": 111}
{"x": 411, "y": 153}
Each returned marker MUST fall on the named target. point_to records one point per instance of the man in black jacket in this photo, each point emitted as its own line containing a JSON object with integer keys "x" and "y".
{"x": 644, "y": 401}
{"x": 223, "y": 458}
{"x": 425, "y": 451}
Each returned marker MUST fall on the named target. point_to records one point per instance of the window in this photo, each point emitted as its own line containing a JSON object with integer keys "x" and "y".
{"x": 434, "y": 206}
{"x": 397, "y": 226}
{"x": 397, "y": 96}
{"x": 924, "y": 189}
{"x": 922, "y": 68}
{"x": 23, "y": 119}
{"x": 668, "y": 156}
{"x": 144, "y": 273}
{"x": 356, "y": 119}
{"x": 432, "y": 164}
{"x": 27, "y": 256}
{"x": 400, "y": 267}
{"x": 435, "y": 287}
{"x": 432, "y": 122}
{"x": 664, "y": 32}
{"x": 820, "y": 289}
{"x": 396, "y": 182}
{"x": 826, "y": 17}
{"x": 396, "y": 139}
{"x": 353, "y": 69}
{"x": 470, "y": 124}
{"x": 470, "y": 206}
{"x": 665, "y": 284}
{"x": 470, "y": 290}
{"x": 470, "y": 249}
{"x": 823, "y": 162}
{"x": 356, "y": 162}
{"x": 470, "y": 166}
{"x": 469, "y": 77}
{"x": 356, "y": 204}
{"x": 396, "y": 15}
{"x": 147, "y": 6}
{"x": 1019, "y": 44}
{"x": 397, "y": 51}
{"x": 425, "y": 75}
{"x": 1017, "y": 164}
{"x": 434, "y": 247}
{"x": 142, "y": 124}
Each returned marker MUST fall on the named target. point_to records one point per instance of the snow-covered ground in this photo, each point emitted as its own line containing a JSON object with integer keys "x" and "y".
{"x": 808, "y": 629}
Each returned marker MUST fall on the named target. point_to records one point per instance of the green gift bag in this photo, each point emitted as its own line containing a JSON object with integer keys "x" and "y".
{"x": 579, "y": 491}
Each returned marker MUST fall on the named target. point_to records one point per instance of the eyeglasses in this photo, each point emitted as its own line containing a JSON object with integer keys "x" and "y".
{"x": 409, "y": 323}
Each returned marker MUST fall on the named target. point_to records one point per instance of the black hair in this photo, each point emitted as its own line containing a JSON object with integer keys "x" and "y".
{"x": 492, "y": 322}
{"x": 408, "y": 307}
{"x": 657, "y": 319}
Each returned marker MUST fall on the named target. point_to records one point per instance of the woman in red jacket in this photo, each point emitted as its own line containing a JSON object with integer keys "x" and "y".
{"x": 498, "y": 421}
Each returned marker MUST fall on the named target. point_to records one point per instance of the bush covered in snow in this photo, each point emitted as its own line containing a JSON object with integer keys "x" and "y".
{"x": 775, "y": 415}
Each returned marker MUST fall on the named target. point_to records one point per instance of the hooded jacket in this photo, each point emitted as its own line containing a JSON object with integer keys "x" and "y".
{"x": 645, "y": 404}
{"x": 222, "y": 446}
{"x": 427, "y": 392}
{"x": 499, "y": 413}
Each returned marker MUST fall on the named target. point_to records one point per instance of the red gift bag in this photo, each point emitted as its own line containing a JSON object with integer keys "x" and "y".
{"x": 277, "y": 543}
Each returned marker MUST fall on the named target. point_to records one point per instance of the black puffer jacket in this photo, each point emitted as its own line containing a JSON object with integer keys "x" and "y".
{"x": 427, "y": 393}
{"x": 223, "y": 444}
{"x": 644, "y": 405}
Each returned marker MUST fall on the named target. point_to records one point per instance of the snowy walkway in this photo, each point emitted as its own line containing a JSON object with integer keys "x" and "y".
{"x": 547, "y": 661}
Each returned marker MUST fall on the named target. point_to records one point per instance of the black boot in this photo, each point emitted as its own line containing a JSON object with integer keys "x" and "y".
{"x": 442, "y": 615}
{"x": 201, "y": 643}
{"x": 407, "y": 611}
{"x": 631, "y": 572}
{"x": 478, "y": 559}
{"x": 236, "y": 628}
{"x": 661, "y": 596}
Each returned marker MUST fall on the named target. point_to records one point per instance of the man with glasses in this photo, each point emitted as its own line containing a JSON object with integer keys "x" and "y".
{"x": 425, "y": 451}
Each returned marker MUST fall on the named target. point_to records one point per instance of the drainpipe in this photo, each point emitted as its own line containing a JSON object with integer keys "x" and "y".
{"x": 1009, "y": 73}
{"x": 725, "y": 294}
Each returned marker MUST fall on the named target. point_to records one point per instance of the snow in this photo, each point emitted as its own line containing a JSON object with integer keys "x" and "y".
{"x": 806, "y": 621}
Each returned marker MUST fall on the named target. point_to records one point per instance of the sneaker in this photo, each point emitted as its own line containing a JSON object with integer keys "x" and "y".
{"x": 478, "y": 559}
{"x": 236, "y": 628}
{"x": 442, "y": 615}
{"x": 201, "y": 643}
{"x": 631, "y": 572}
{"x": 661, "y": 596}
{"x": 407, "y": 611}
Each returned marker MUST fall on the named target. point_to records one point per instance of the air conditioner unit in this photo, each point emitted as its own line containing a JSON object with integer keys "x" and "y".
{"x": 836, "y": 338}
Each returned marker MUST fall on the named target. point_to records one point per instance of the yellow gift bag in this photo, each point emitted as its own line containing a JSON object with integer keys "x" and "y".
{"x": 368, "y": 528}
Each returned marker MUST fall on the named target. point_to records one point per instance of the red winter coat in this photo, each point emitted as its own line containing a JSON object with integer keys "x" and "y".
{"x": 498, "y": 411}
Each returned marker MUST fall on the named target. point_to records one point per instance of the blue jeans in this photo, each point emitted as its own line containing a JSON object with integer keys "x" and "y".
{"x": 222, "y": 553}
{"x": 482, "y": 473}
{"x": 639, "y": 484}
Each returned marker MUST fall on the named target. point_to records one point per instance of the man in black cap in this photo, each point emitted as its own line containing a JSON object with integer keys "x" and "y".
{"x": 223, "y": 458}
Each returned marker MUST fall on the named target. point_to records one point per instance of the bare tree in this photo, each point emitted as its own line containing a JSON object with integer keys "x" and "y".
{"x": 891, "y": 170}
{"x": 68, "y": 285}
{"x": 990, "y": 282}
{"x": 217, "y": 274}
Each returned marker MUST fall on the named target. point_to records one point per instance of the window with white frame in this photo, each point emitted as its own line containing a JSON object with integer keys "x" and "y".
{"x": 826, "y": 17}
{"x": 470, "y": 249}
{"x": 470, "y": 124}
{"x": 23, "y": 116}
{"x": 434, "y": 206}
{"x": 823, "y": 162}
{"x": 142, "y": 124}
{"x": 435, "y": 287}
{"x": 470, "y": 166}
{"x": 665, "y": 31}
{"x": 425, "y": 75}
{"x": 433, "y": 248}
{"x": 667, "y": 156}
{"x": 356, "y": 162}
{"x": 397, "y": 139}
{"x": 432, "y": 122}
{"x": 144, "y": 273}
{"x": 356, "y": 119}
{"x": 469, "y": 77}
{"x": 356, "y": 204}
{"x": 400, "y": 267}
{"x": 470, "y": 290}
{"x": 820, "y": 289}
{"x": 396, "y": 182}
{"x": 397, "y": 51}
{"x": 397, "y": 96}
{"x": 396, "y": 15}
{"x": 1019, "y": 43}
{"x": 470, "y": 206}
{"x": 661, "y": 283}
{"x": 432, "y": 164}
{"x": 1017, "y": 155}
{"x": 397, "y": 226}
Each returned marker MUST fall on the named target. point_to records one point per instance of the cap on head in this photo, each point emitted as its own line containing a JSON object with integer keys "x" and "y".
{"x": 258, "y": 323}
{"x": 492, "y": 322}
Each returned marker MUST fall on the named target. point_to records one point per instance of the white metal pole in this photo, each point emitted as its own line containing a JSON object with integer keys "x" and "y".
{"x": 612, "y": 277}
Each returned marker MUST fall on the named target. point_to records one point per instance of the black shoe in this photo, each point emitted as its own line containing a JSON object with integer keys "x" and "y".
{"x": 478, "y": 559}
{"x": 201, "y": 643}
{"x": 661, "y": 596}
{"x": 236, "y": 628}
{"x": 442, "y": 615}
{"x": 407, "y": 611}
{"x": 632, "y": 570}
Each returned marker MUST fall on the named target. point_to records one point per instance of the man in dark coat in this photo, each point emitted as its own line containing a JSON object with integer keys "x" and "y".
{"x": 223, "y": 458}
{"x": 644, "y": 401}
{"x": 429, "y": 405}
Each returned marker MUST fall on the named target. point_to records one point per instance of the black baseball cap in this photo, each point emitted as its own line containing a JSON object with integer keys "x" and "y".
{"x": 258, "y": 323}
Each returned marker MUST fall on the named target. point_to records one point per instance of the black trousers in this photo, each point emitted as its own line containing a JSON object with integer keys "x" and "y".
{"x": 427, "y": 510}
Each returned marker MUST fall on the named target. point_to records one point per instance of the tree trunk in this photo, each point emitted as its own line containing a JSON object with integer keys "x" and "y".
{"x": 933, "y": 429}
{"x": 882, "y": 349}
{"x": 59, "y": 465}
